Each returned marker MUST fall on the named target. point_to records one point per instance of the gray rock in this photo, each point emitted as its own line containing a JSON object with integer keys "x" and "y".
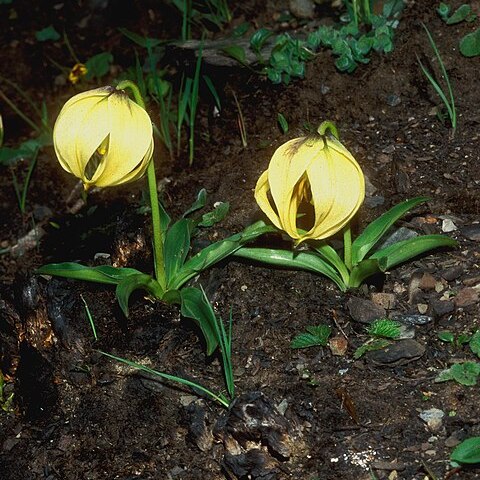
{"x": 374, "y": 202}
{"x": 433, "y": 418}
{"x": 393, "y": 100}
{"x": 413, "y": 319}
{"x": 442, "y": 307}
{"x": 472, "y": 232}
{"x": 452, "y": 273}
{"x": 364, "y": 311}
{"x": 398, "y": 235}
{"x": 398, "y": 353}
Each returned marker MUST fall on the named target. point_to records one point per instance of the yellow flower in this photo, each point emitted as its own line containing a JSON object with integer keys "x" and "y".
{"x": 103, "y": 138}
{"x": 312, "y": 188}
{"x": 78, "y": 71}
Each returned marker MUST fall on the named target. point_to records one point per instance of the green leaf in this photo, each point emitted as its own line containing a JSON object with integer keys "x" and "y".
{"x": 298, "y": 260}
{"x": 475, "y": 343}
{"x": 446, "y": 336}
{"x": 236, "y": 52}
{"x": 330, "y": 255}
{"x": 258, "y": 39}
{"x": 164, "y": 218}
{"x": 405, "y": 250}
{"x": 218, "y": 251}
{"x": 216, "y": 215}
{"x": 370, "y": 346}
{"x": 129, "y": 284}
{"x": 195, "y": 305}
{"x": 460, "y": 14}
{"x": 315, "y": 336}
{"x": 385, "y": 328}
{"x": 467, "y": 452}
{"x": 375, "y": 230}
{"x": 176, "y": 247}
{"x": 465, "y": 373}
{"x": 100, "y": 274}
{"x": 48, "y": 33}
{"x": 470, "y": 44}
{"x": 366, "y": 268}
{"x": 98, "y": 65}
{"x": 282, "y": 122}
{"x": 198, "y": 203}
{"x": 144, "y": 42}
{"x": 443, "y": 10}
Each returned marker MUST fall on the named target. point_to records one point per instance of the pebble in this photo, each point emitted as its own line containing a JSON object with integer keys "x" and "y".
{"x": 302, "y": 8}
{"x": 374, "y": 202}
{"x": 472, "y": 232}
{"x": 413, "y": 319}
{"x": 364, "y": 311}
{"x": 384, "y": 300}
{"x": 398, "y": 353}
{"x": 433, "y": 418}
{"x": 398, "y": 235}
{"x": 427, "y": 282}
{"x": 338, "y": 345}
{"x": 448, "y": 226}
{"x": 422, "y": 308}
{"x": 393, "y": 100}
{"x": 442, "y": 307}
{"x": 467, "y": 296}
{"x": 452, "y": 273}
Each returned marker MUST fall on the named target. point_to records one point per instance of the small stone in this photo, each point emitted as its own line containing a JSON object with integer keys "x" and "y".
{"x": 442, "y": 307}
{"x": 364, "y": 311}
{"x": 374, "y": 202}
{"x": 370, "y": 188}
{"x": 302, "y": 8}
{"x": 433, "y": 418}
{"x": 393, "y": 100}
{"x": 422, "y": 308}
{"x": 384, "y": 300}
{"x": 398, "y": 353}
{"x": 455, "y": 438}
{"x": 471, "y": 232}
{"x": 427, "y": 282}
{"x": 467, "y": 296}
{"x": 398, "y": 235}
{"x": 448, "y": 226}
{"x": 452, "y": 273}
{"x": 413, "y": 319}
{"x": 338, "y": 345}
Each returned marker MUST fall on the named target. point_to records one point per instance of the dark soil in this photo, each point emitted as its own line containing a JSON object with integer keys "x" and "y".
{"x": 300, "y": 414}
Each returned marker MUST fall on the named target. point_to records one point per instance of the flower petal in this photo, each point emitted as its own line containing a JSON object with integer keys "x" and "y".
{"x": 261, "y": 197}
{"x": 130, "y": 140}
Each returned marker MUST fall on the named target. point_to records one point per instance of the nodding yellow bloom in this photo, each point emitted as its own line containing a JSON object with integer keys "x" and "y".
{"x": 78, "y": 71}
{"x": 103, "y": 138}
{"x": 312, "y": 188}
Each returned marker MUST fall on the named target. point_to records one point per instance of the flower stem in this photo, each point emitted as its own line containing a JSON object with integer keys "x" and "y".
{"x": 347, "y": 247}
{"x": 328, "y": 125}
{"x": 158, "y": 235}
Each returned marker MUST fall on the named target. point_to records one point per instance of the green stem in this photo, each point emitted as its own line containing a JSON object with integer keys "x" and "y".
{"x": 328, "y": 125}
{"x": 158, "y": 234}
{"x": 347, "y": 247}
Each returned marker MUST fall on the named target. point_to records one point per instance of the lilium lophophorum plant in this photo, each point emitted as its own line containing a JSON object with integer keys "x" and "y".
{"x": 311, "y": 190}
{"x": 105, "y": 139}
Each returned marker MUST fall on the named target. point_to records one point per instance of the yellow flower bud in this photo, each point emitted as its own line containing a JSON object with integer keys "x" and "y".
{"x": 312, "y": 188}
{"x": 103, "y": 138}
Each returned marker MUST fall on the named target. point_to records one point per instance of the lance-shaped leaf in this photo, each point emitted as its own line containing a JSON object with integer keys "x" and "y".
{"x": 176, "y": 247}
{"x": 405, "y": 250}
{"x": 375, "y": 230}
{"x": 218, "y": 251}
{"x": 286, "y": 258}
{"x": 100, "y": 274}
{"x": 195, "y": 305}
{"x": 330, "y": 255}
{"x": 197, "y": 204}
{"x": 131, "y": 283}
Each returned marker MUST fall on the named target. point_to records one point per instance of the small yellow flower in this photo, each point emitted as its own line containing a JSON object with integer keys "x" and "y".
{"x": 103, "y": 138}
{"x": 312, "y": 181}
{"x": 78, "y": 71}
